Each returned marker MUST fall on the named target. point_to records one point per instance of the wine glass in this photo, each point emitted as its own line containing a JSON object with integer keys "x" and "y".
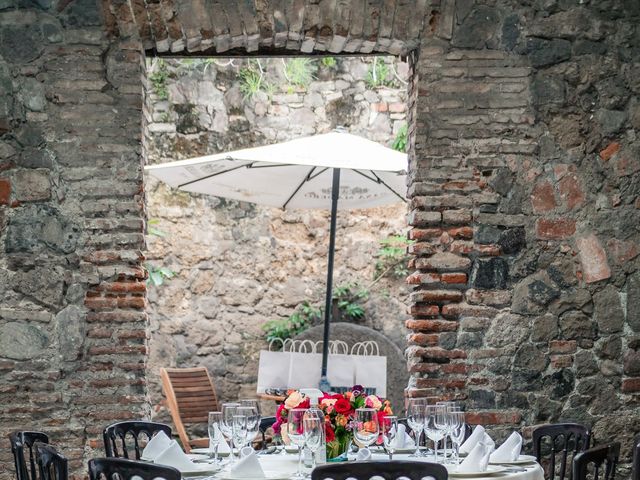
{"x": 253, "y": 422}
{"x": 295, "y": 431}
{"x": 415, "y": 419}
{"x": 239, "y": 429}
{"x": 228, "y": 411}
{"x": 215, "y": 434}
{"x": 458, "y": 432}
{"x": 434, "y": 418}
{"x": 313, "y": 428}
{"x": 251, "y": 402}
{"x": 448, "y": 408}
{"x": 389, "y": 434}
{"x": 366, "y": 426}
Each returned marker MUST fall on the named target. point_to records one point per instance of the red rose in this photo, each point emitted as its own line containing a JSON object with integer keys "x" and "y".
{"x": 306, "y": 403}
{"x": 329, "y": 433}
{"x": 342, "y": 406}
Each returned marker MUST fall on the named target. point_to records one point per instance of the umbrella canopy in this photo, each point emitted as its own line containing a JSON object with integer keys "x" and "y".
{"x": 332, "y": 170}
{"x": 297, "y": 173}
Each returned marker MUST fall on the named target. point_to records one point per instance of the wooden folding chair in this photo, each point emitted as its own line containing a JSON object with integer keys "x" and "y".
{"x": 190, "y": 397}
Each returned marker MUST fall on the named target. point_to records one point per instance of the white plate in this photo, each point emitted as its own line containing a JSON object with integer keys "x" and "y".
{"x": 205, "y": 451}
{"x": 269, "y": 474}
{"x": 521, "y": 459}
{"x": 289, "y": 449}
{"x": 491, "y": 470}
{"x": 203, "y": 469}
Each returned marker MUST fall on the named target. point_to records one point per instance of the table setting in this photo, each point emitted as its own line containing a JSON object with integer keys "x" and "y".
{"x": 314, "y": 428}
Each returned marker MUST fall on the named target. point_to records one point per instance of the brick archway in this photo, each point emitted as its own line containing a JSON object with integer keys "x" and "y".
{"x": 523, "y": 140}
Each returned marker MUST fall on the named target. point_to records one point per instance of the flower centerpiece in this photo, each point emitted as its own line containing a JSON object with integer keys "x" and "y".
{"x": 339, "y": 414}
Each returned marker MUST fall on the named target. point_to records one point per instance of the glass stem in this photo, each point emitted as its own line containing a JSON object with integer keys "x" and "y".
{"x": 299, "y": 461}
{"x": 232, "y": 456}
{"x": 435, "y": 450}
{"x": 215, "y": 458}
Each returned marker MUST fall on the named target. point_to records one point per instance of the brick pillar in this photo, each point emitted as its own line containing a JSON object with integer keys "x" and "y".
{"x": 466, "y": 102}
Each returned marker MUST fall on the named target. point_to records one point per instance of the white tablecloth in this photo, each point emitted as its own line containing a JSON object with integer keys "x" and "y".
{"x": 287, "y": 464}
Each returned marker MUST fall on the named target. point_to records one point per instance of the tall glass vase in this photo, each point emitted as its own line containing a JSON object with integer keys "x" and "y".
{"x": 337, "y": 449}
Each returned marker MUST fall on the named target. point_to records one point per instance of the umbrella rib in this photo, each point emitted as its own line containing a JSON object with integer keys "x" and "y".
{"x": 379, "y": 181}
{"x": 214, "y": 175}
{"x": 385, "y": 184}
{"x": 306, "y": 178}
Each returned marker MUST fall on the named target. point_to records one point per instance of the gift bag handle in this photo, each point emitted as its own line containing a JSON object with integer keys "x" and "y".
{"x": 276, "y": 340}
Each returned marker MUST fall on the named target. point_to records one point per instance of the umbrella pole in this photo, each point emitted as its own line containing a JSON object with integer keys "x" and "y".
{"x": 325, "y": 386}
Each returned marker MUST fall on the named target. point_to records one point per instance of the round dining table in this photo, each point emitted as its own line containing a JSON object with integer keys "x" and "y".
{"x": 282, "y": 466}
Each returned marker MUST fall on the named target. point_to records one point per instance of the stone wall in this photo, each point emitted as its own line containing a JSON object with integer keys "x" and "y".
{"x": 72, "y": 292}
{"x": 515, "y": 108}
{"x": 239, "y": 265}
{"x": 525, "y": 208}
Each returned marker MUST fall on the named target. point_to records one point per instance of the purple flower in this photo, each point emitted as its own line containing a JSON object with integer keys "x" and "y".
{"x": 357, "y": 390}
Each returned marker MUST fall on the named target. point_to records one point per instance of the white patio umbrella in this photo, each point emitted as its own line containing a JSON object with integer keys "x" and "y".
{"x": 332, "y": 170}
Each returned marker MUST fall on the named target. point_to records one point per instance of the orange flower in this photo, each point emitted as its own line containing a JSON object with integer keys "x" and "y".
{"x": 369, "y": 427}
{"x": 341, "y": 420}
{"x": 348, "y": 395}
{"x": 388, "y": 410}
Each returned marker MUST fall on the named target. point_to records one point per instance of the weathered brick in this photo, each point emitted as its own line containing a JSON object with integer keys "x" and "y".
{"x": 5, "y": 191}
{"x": 555, "y": 229}
{"x": 543, "y": 197}
{"x": 593, "y": 259}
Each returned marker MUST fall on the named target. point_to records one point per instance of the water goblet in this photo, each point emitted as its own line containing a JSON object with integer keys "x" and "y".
{"x": 415, "y": 419}
{"x": 434, "y": 418}
{"x": 389, "y": 434}
{"x": 215, "y": 434}
{"x": 295, "y": 432}
{"x": 366, "y": 426}
{"x": 313, "y": 428}
{"x": 228, "y": 411}
{"x": 458, "y": 432}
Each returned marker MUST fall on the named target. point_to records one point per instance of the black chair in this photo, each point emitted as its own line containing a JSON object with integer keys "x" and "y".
{"x": 123, "y": 469}
{"x": 386, "y": 470}
{"x": 51, "y": 464}
{"x": 265, "y": 424}
{"x": 20, "y": 441}
{"x": 635, "y": 474}
{"x": 601, "y": 459}
{"x": 118, "y": 432}
{"x": 559, "y": 438}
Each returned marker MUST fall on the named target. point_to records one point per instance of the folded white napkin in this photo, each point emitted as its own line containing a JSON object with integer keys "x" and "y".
{"x": 363, "y": 455}
{"x": 402, "y": 438}
{"x": 176, "y": 458}
{"x": 248, "y": 466}
{"x": 475, "y": 437}
{"x": 489, "y": 441}
{"x": 223, "y": 446}
{"x": 156, "y": 445}
{"x": 477, "y": 460}
{"x": 509, "y": 451}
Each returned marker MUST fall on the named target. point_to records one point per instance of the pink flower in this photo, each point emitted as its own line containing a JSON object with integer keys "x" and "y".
{"x": 293, "y": 400}
{"x": 373, "y": 402}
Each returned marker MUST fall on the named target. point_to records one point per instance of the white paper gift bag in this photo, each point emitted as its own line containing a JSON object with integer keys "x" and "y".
{"x": 305, "y": 365}
{"x": 273, "y": 369}
{"x": 341, "y": 371}
{"x": 370, "y": 367}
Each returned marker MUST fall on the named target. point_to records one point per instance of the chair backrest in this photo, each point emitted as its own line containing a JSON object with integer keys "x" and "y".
{"x": 597, "y": 462}
{"x": 51, "y": 464}
{"x": 635, "y": 474}
{"x": 265, "y": 424}
{"x": 123, "y": 469}
{"x": 559, "y": 438}
{"x": 21, "y": 443}
{"x": 116, "y": 437}
{"x": 386, "y": 470}
{"x": 190, "y": 397}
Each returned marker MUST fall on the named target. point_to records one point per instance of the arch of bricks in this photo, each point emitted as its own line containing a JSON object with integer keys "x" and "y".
{"x": 523, "y": 123}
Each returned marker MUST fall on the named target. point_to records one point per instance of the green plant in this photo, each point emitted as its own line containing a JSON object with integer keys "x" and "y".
{"x": 378, "y": 74}
{"x": 400, "y": 142}
{"x": 299, "y": 72}
{"x": 392, "y": 257}
{"x": 157, "y": 275}
{"x": 252, "y": 80}
{"x": 348, "y": 299}
{"x": 158, "y": 79}
{"x": 300, "y": 320}
{"x": 328, "y": 62}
